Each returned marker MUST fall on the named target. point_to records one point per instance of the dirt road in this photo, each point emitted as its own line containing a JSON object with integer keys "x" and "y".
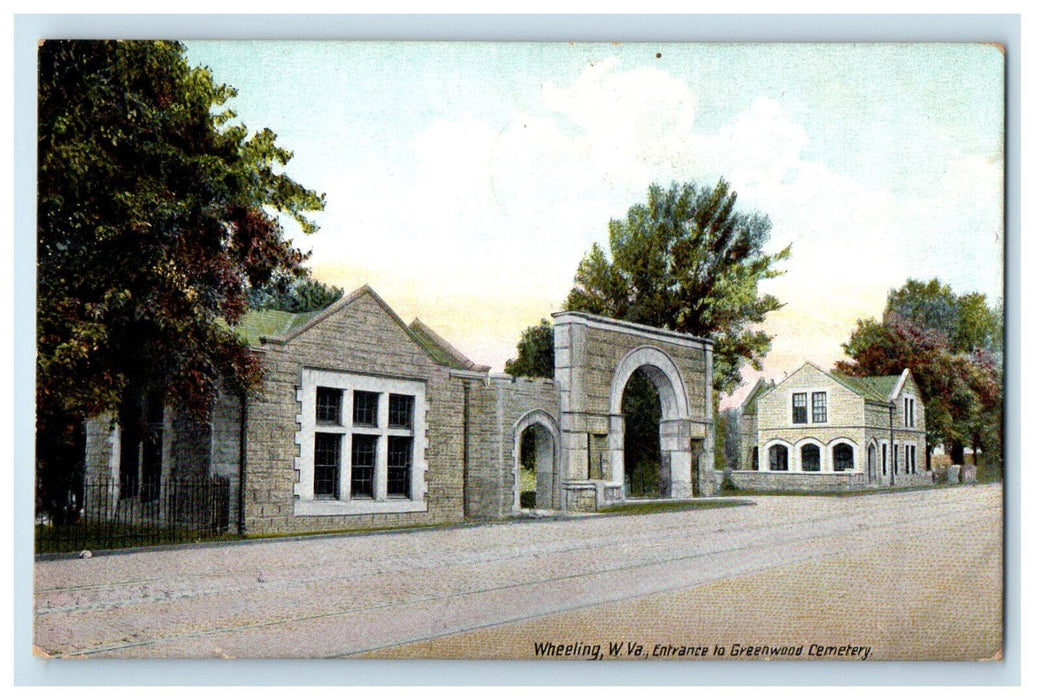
{"x": 907, "y": 575}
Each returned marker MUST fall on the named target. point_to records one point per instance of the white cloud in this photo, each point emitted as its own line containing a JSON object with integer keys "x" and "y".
{"x": 760, "y": 149}
{"x": 634, "y": 125}
{"x": 505, "y": 211}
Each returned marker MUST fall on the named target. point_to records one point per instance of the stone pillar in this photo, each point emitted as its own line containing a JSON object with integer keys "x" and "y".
{"x": 102, "y": 463}
{"x": 575, "y": 456}
{"x": 708, "y": 479}
{"x": 616, "y": 454}
{"x": 675, "y": 448}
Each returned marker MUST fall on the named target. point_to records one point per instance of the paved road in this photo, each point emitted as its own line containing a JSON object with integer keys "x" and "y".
{"x": 334, "y": 597}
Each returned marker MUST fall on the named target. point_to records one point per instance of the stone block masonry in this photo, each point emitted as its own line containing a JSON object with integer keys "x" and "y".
{"x": 594, "y": 359}
{"x": 360, "y": 338}
{"x": 361, "y": 421}
{"x": 496, "y": 411}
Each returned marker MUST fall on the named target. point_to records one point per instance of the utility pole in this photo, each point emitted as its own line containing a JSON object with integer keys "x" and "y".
{"x": 893, "y": 450}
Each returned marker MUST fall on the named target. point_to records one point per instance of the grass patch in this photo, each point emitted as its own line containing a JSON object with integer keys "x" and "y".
{"x": 353, "y": 531}
{"x": 102, "y": 536}
{"x": 746, "y": 493}
{"x": 989, "y": 474}
{"x": 638, "y": 508}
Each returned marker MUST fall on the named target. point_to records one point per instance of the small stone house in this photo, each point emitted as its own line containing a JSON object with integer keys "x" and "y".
{"x": 818, "y": 430}
{"x": 365, "y": 421}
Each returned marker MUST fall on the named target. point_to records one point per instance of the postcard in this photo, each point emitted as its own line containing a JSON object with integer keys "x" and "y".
{"x": 616, "y": 352}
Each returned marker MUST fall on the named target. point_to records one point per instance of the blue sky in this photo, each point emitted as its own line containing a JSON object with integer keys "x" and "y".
{"x": 465, "y": 182}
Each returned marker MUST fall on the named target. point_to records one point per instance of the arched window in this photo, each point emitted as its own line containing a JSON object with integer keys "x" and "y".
{"x": 842, "y": 457}
{"x": 810, "y": 458}
{"x": 778, "y": 456}
{"x": 755, "y": 466}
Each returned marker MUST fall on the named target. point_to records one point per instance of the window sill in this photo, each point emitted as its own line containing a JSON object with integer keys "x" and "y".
{"x": 793, "y": 471}
{"x": 358, "y": 507}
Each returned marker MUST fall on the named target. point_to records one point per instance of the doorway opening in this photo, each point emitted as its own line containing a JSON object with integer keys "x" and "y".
{"x": 642, "y": 454}
{"x": 535, "y": 468}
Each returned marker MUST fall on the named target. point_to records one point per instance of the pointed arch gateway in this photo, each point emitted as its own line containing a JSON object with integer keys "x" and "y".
{"x": 536, "y": 440}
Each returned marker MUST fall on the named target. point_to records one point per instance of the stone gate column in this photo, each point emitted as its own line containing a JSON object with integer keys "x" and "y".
{"x": 675, "y": 450}
{"x": 616, "y": 454}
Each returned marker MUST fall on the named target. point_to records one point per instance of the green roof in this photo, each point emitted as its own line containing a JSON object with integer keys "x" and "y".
{"x": 872, "y": 388}
{"x": 440, "y": 349}
{"x": 255, "y": 324}
{"x": 440, "y": 354}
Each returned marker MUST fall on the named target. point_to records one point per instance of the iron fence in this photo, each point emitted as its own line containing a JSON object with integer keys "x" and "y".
{"x": 105, "y": 516}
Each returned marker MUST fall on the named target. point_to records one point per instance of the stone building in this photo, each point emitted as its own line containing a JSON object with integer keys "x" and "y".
{"x": 362, "y": 420}
{"x": 819, "y": 430}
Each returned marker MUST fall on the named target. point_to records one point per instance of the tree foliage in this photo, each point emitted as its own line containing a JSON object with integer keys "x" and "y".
{"x": 965, "y": 322}
{"x": 535, "y": 352}
{"x": 294, "y": 294}
{"x": 156, "y": 214}
{"x": 952, "y": 347}
{"x": 687, "y": 260}
{"x": 727, "y": 439}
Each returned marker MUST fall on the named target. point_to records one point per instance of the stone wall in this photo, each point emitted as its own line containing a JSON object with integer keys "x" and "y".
{"x": 190, "y": 444}
{"x": 361, "y": 337}
{"x": 494, "y": 408}
{"x": 797, "y": 481}
{"x": 225, "y": 446}
{"x": 747, "y": 431}
{"x": 102, "y": 448}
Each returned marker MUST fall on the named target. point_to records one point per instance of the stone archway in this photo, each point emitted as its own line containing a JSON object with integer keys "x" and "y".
{"x": 543, "y": 432}
{"x": 594, "y": 358}
{"x": 674, "y": 432}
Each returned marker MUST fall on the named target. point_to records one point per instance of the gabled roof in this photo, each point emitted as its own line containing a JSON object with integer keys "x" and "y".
{"x": 440, "y": 349}
{"x": 259, "y": 327}
{"x": 759, "y": 389}
{"x": 255, "y": 325}
{"x": 881, "y": 389}
{"x": 877, "y": 388}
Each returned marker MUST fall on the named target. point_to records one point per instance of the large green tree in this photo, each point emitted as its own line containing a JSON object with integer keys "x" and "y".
{"x": 688, "y": 260}
{"x": 156, "y": 214}
{"x": 965, "y": 322}
{"x": 296, "y": 294}
{"x": 952, "y": 345}
{"x": 535, "y": 352}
